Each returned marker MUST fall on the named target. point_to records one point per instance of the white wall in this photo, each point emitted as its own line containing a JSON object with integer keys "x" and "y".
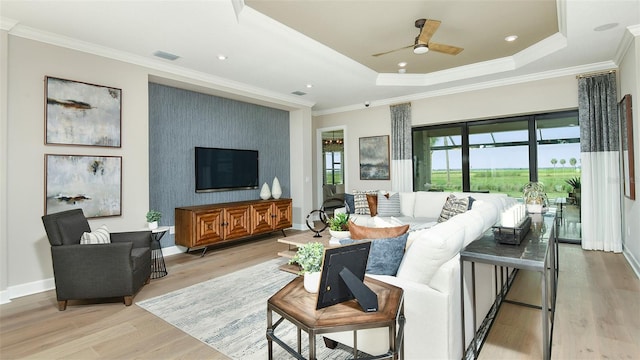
{"x": 629, "y": 83}
{"x": 532, "y": 97}
{"x": 29, "y": 258}
{"x": 25, "y": 258}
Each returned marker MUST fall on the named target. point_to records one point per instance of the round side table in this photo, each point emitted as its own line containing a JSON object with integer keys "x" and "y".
{"x": 158, "y": 268}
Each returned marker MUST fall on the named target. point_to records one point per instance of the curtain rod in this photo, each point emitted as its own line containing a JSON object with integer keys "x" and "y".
{"x": 612, "y": 71}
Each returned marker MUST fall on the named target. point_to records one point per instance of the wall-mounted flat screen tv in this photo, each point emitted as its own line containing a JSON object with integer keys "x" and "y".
{"x": 226, "y": 169}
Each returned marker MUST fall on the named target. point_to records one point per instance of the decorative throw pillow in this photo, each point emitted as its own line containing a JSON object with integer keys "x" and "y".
{"x": 349, "y": 203}
{"x": 362, "y": 232}
{"x": 372, "y": 200}
{"x": 385, "y": 255}
{"x": 452, "y": 207}
{"x": 98, "y": 236}
{"x": 388, "y": 204}
{"x": 361, "y": 205}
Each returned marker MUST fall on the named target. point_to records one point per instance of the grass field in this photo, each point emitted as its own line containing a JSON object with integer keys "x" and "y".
{"x": 508, "y": 181}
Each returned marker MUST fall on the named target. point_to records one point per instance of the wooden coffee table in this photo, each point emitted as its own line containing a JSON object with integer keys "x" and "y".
{"x": 294, "y": 304}
{"x": 294, "y": 241}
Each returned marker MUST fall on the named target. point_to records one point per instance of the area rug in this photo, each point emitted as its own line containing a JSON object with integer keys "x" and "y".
{"x": 229, "y": 313}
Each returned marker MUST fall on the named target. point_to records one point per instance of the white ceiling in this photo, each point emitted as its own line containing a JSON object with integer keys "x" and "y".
{"x": 268, "y": 60}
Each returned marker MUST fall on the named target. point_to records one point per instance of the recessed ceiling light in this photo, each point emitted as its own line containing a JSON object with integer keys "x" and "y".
{"x": 222, "y": 57}
{"x": 402, "y": 71}
{"x": 605, "y": 27}
{"x": 309, "y": 86}
{"x": 299, "y": 93}
{"x": 402, "y": 64}
{"x": 511, "y": 38}
{"x": 166, "y": 55}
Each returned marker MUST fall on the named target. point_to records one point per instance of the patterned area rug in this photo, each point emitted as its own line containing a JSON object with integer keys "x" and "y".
{"x": 229, "y": 313}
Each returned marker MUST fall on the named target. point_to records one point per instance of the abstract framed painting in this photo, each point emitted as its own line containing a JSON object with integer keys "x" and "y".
{"x": 374, "y": 158}
{"x": 78, "y": 113}
{"x": 92, "y": 183}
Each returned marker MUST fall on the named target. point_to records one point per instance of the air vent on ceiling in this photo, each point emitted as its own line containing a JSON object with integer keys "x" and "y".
{"x": 299, "y": 93}
{"x": 166, "y": 55}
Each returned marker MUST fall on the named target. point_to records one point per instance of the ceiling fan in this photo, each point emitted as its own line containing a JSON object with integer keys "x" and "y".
{"x": 423, "y": 42}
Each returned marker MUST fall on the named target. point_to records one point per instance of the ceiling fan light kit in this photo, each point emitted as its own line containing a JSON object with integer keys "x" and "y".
{"x": 419, "y": 49}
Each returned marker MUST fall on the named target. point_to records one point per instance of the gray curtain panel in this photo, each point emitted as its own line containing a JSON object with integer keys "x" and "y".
{"x": 600, "y": 161}
{"x": 401, "y": 131}
{"x": 598, "y": 113}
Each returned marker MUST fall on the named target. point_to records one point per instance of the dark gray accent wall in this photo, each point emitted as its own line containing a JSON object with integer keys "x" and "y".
{"x": 180, "y": 120}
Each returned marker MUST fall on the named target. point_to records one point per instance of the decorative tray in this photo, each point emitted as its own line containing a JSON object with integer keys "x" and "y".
{"x": 512, "y": 235}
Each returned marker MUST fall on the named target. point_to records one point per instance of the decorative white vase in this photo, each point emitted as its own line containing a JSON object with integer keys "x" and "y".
{"x": 312, "y": 282}
{"x": 153, "y": 225}
{"x": 276, "y": 191}
{"x": 265, "y": 193}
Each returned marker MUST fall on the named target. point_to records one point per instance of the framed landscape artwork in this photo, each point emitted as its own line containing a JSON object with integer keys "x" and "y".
{"x": 626, "y": 135}
{"x": 78, "y": 113}
{"x": 92, "y": 183}
{"x": 374, "y": 158}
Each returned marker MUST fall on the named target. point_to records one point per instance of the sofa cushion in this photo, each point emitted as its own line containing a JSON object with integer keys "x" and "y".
{"x": 72, "y": 228}
{"x": 385, "y": 254}
{"x": 372, "y": 200}
{"x": 388, "y": 204}
{"x": 407, "y": 203}
{"x": 98, "y": 236}
{"x": 473, "y": 223}
{"x": 361, "y": 206}
{"x": 488, "y": 211}
{"x": 363, "y": 232}
{"x": 429, "y": 204}
{"x": 452, "y": 207}
{"x": 430, "y": 249}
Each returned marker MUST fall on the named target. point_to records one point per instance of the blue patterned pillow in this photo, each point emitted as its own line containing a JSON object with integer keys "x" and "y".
{"x": 349, "y": 203}
{"x": 385, "y": 255}
{"x": 388, "y": 205}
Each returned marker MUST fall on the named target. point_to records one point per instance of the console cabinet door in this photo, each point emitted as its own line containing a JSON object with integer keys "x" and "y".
{"x": 236, "y": 222}
{"x": 208, "y": 227}
{"x": 262, "y": 219}
{"x": 282, "y": 214}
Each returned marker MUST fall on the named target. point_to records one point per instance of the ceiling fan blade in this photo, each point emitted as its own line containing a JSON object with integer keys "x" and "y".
{"x": 389, "y": 52}
{"x": 446, "y": 49}
{"x": 429, "y": 28}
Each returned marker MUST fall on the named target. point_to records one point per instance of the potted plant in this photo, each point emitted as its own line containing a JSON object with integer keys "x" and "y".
{"x": 153, "y": 216}
{"x": 534, "y": 197}
{"x": 339, "y": 226}
{"x": 309, "y": 257}
{"x": 575, "y": 192}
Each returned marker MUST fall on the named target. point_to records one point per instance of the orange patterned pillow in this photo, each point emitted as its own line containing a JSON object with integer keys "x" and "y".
{"x": 362, "y": 232}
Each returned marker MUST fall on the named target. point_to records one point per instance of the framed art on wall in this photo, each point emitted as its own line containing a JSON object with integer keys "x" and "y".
{"x": 78, "y": 113}
{"x": 626, "y": 134}
{"x": 374, "y": 158}
{"x": 93, "y": 183}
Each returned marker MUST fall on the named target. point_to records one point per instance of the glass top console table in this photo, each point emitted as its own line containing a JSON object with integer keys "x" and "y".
{"x": 538, "y": 251}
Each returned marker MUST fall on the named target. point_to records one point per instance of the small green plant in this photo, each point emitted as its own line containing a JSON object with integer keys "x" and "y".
{"x": 153, "y": 215}
{"x": 339, "y": 222}
{"x": 309, "y": 257}
{"x": 574, "y": 182}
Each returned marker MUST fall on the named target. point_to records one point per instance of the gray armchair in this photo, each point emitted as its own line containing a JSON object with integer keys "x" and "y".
{"x": 95, "y": 271}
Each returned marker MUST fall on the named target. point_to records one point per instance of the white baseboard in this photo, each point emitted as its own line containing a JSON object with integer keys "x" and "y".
{"x": 4, "y": 297}
{"x": 633, "y": 262}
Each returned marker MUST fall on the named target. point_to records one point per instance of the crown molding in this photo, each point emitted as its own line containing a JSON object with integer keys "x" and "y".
{"x": 534, "y": 52}
{"x": 571, "y": 71}
{"x": 7, "y": 24}
{"x": 626, "y": 41}
{"x": 237, "y": 88}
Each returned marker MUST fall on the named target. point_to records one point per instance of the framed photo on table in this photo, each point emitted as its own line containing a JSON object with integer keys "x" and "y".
{"x": 78, "y": 113}
{"x": 374, "y": 158}
{"x": 93, "y": 183}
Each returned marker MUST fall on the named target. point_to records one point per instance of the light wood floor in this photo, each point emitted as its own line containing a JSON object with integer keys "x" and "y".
{"x": 598, "y": 314}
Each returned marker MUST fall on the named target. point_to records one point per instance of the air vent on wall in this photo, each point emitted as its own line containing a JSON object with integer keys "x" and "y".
{"x": 166, "y": 55}
{"x": 299, "y": 93}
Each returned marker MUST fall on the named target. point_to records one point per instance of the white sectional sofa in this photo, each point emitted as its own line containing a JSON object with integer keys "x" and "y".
{"x": 430, "y": 274}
